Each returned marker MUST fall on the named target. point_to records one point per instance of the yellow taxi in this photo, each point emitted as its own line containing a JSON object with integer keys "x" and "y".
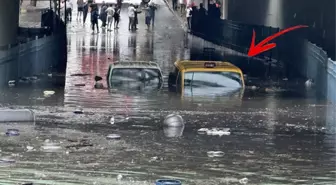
{"x": 205, "y": 78}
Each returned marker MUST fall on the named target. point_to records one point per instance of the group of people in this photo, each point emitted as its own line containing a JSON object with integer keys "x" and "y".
{"x": 107, "y": 14}
{"x": 133, "y": 11}
{"x": 200, "y": 18}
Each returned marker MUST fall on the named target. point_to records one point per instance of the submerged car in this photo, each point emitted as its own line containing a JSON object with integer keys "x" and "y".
{"x": 193, "y": 78}
{"x": 135, "y": 76}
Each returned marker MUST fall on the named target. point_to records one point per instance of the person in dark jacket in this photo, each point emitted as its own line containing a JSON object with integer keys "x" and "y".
{"x": 136, "y": 21}
{"x": 94, "y": 19}
{"x": 103, "y": 15}
{"x": 116, "y": 16}
{"x": 202, "y": 15}
{"x": 85, "y": 11}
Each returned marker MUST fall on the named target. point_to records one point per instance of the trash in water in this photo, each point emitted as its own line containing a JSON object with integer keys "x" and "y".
{"x": 12, "y": 132}
{"x": 99, "y": 85}
{"x": 26, "y": 183}
{"x": 29, "y": 148}
{"x": 50, "y": 146}
{"x": 243, "y": 181}
{"x": 48, "y": 93}
{"x": 173, "y": 131}
{"x": 78, "y": 110}
{"x": 49, "y": 75}
{"x": 202, "y": 130}
{"x": 215, "y": 131}
{"x": 113, "y": 136}
{"x": 153, "y": 159}
{"x": 112, "y": 120}
{"x": 119, "y": 177}
{"x": 7, "y": 160}
{"x": 168, "y": 182}
{"x": 215, "y": 154}
{"x": 79, "y": 85}
{"x": 173, "y": 120}
{"x": 11, "y": 83}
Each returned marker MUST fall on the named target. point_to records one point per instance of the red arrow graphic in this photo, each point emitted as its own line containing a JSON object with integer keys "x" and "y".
{"x": 261, "y": 47}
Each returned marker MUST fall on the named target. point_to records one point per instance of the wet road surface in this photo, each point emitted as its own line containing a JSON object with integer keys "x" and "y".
{"x": 280, "y": 135}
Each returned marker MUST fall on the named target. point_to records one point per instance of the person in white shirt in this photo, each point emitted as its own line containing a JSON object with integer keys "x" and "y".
{"x": 69, "y": 6}
{"x": 110, "y": 13}
{"x": 188, "y": 15}
{"x": 131, "y": 16}
{"x": 182, "y": 5}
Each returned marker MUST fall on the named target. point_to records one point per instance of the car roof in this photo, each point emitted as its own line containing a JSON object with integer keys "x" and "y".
{"x": 188, "y": 64}
{"x": 135, "y": 64}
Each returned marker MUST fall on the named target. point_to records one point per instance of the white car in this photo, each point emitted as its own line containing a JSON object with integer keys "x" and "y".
{"x": 135, "y": 75}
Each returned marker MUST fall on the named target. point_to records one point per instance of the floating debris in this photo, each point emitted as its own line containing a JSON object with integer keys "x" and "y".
{"x": 153, "y": 159}
{"x": 11, "y": 83}
{"x": 51, "y": 147}
{"x": 215, "y": 131}
{"x": 80, "y": 74}
{"x": 48, "y": 93}
{"x": 26, "y": 183}
{"x": 50, "y": 75}
{"x": 78, "y": 110}
{"x": 119, "y": 177}
{"x": 112, "y": 120}
{"x": 167, "y": 181}
{"x": 243, "y": 181}
{"x": 113, "y": 136}
{"x": 29, "y": 148}
{"x": 173, "y": 120}
{"x": 12, "y": 132}
{"x": 309, "y": 83}
{"x": 215, "y": 154}
{"x": 7, "y": 160}
{"x": 99, "y": 85}
{"x": 79, "y": 85}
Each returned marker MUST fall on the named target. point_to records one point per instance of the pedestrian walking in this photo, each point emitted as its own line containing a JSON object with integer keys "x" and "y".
{"x": 94, "y": 19}
{"x": 80, "y": 9}
{"x": 131, "y": 15}
{"x": 148, "y": 16}
{"x": 183, "y": 5}
{"x": 103, "y": 15}
{"x": 110, "y": 12}
{"x": 153, "y": 8}
{"x": 85, "y": 11}
{"x": 189, "y": 16}
{"x": 136, "y": 21}
{"x": 69, "y": 7}
{"x": 116, "y": 16}
{"x": 175, "y": 5}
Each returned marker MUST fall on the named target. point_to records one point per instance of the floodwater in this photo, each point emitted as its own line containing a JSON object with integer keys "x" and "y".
{"x": 280, "y": 134}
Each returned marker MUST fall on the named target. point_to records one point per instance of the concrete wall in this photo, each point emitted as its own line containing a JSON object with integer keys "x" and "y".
{"x": 283, "y": 13}
{"x": 37, "y": 56}
{"x": 9, "y": 21}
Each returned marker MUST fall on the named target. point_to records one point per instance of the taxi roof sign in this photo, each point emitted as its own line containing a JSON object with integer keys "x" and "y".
{"x": 209, "y": 64}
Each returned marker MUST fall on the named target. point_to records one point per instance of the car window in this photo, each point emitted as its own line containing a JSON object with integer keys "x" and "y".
{"x": 212, "y": 79}
{"x": 135, "y": 77}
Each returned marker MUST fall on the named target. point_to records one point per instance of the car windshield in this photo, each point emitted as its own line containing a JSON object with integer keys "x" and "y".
{"x": 140, "y": 78}
{"x": 212, "y": 79}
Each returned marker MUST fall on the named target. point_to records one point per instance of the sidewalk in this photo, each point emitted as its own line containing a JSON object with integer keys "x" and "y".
{"x": 181, "y": 17}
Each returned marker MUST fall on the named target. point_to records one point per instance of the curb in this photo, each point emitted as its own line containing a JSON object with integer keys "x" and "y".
{"x": 175, "y": 14}
{"x": 12, "y": 115}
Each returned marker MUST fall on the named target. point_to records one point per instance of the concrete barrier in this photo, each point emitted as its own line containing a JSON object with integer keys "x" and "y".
{"x": 12, "y": 115}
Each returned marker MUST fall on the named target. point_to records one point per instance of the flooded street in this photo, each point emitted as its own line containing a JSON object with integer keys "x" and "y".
{"x": 278, "y": 135}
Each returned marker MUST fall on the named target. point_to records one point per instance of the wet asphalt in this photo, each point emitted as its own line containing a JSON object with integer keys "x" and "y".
{"x": 281, "y": 134}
